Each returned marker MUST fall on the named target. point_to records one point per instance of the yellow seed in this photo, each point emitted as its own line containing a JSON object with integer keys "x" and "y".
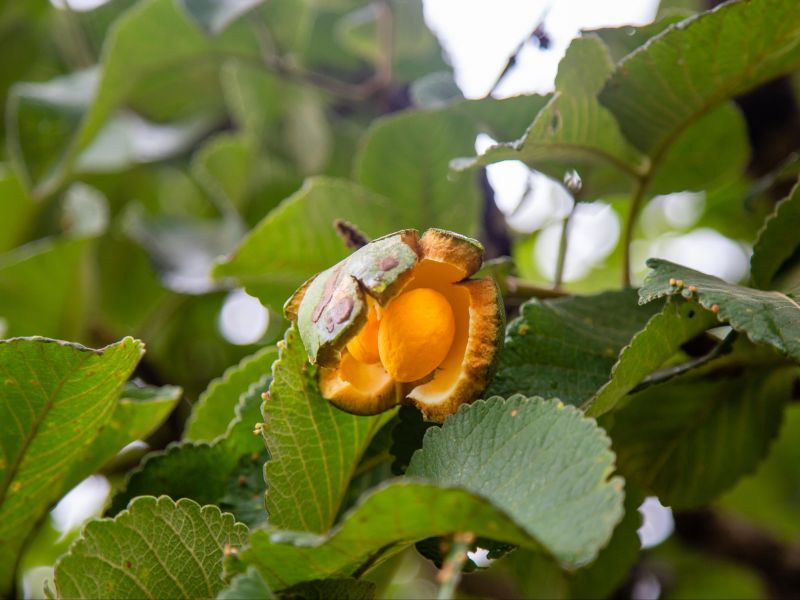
{"x": 364, "y": 347}
{"x": 415, "y": 334}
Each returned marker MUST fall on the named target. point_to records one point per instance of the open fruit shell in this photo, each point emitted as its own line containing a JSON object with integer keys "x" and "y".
{"x": 332, "y": 307}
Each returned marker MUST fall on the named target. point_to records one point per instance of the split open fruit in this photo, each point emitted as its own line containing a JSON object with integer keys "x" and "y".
{"x": 399, "y": 321}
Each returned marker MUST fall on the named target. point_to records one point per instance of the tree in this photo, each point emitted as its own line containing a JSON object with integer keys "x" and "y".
{"x": 161, "y": 156}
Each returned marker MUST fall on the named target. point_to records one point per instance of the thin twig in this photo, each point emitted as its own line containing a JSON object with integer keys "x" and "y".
{"x": 520, "y": 288}
{"x": 537, "y": 33}
{"x": 637, "y": 200}
{"x": 563, "y": 244}
{"x": 722, "y": 348}
{"x": 450, "y": 574}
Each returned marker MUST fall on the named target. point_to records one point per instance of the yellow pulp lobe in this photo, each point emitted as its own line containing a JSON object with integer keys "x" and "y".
{"x": 364, "y": 347}
{"x": 416, "y": 332}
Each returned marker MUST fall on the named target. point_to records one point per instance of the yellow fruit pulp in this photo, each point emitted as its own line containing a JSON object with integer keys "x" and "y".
{"x": 364, "y": 347}
{"x": 415, "y": 334}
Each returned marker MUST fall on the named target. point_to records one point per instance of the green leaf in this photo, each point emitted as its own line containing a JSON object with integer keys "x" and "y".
{"x": 501, "y": 118}
{"x": 769, "y": 318}
{"x": 54, "y": 399}
{"x": 297, "y": 239}
{"x": 227, "y": 472}
{"x": 398, "y": 513}
{"x": 247, "y": 586}
{"x": 322, "y": 589}
{"x": 154, "y": 58}
{"x": 17, "y": 209}
{"x": 712, "y": 151}
{"x": 621, "y": 41}
{"x": 387, "y": 519}
{"x": 768, "y": 498}
{"x": 406, "y": 158}
{"x": 139, "y": 411}
{"x": 225, "y": 167}
{"x": 215, "y": 408}
{"x": 314, "y": 447}
{"x": 777, "y": 241}
{"x": 601, "y": 578}
{"x": 573, "y": 129}
{"x": 649, "y": 349}
{"x": 155, "y": 549}
{"x": 691, "y": 438}
{"x": 683, "y": 73}
{"x": 215, "y": 15}
{"x": 565, "y": 348}
{"x": 42, "y": 289}
{"x": 540, "y": 576}
{"x": 531, "y": 458}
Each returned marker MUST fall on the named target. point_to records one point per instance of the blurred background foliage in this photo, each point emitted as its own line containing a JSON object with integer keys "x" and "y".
{"x": 143, "y": 140}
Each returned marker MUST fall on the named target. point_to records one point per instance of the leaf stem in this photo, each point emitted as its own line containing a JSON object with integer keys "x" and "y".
{"x": 637, "y": 199}
{"x": 450, "y": 574}
{"x": 563, "y": 244}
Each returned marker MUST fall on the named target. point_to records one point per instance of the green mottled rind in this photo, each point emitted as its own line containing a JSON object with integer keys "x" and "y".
{"x": 360, "y": 272}
{"x": 157, "y": 548}
{"x": 766, "y": 317}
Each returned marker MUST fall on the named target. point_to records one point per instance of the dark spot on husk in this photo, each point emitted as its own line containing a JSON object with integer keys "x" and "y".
{"x": 326, "y": 294}
{"x": 388, "y": 262}
{"x": 329, "y": 323}
{"x": 342, "y": 309}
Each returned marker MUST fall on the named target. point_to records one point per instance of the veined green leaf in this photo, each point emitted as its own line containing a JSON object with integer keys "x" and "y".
{"x": 54, "y": 399}
{"x": 777, "y": 241}
{"x": 573, "y": 130}
{"x": 227, "y": 472}
{"x": 215, "y": 408}
{"x": 554, "y": 465}
{"x": 406, "y": 158}
{"x": 691, "y": 438}
{"x": 769, "y": 318}
{"x": 157, "y": 548}
{"x": 298, "y": 240}
{"x": 660, "y": 89}
{"x": 565, "y": 348}
{"x": 649, "y": 349}
{"x": 531, "y": 458}
{"x": 314, "y": 447}
{"x": 139, "y": 411}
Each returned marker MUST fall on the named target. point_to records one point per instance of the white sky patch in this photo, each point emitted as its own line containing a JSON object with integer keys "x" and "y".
{"x": 84, "y": 501}
{"x": 479, "y": 37}
{"x": 705, "y": 250}
{"x": 657, "y": 522}
{"x": 243, "y": 320}
{"x": 593, "y": 233}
